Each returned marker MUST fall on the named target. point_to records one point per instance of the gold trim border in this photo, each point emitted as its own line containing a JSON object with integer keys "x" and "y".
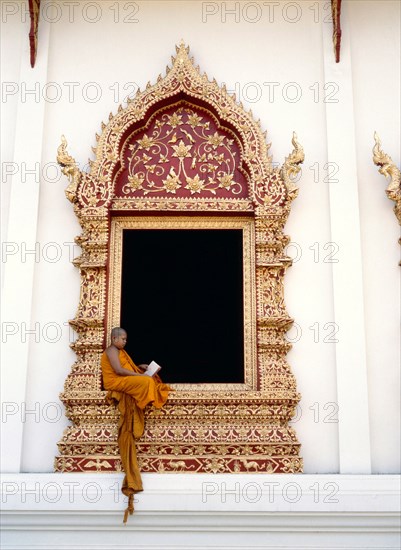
{"x": 247, "y": 225}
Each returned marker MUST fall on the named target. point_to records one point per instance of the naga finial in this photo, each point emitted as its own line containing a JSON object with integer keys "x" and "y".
{"x": 69, "y": 168}
{"x": 387, "y": 168}
{"x": 291, "y": 167}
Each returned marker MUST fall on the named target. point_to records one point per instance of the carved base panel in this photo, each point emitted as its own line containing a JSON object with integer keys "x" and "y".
{"x": 251, "y": 463}
{"x": 79, "y": 454}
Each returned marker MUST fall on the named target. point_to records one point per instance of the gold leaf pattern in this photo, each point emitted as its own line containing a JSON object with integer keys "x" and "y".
{"x": 136, "y": 181}
{"x": 195, "y": 185}
{"x": 172, "y": 182}
{"x": 182, "y": 151}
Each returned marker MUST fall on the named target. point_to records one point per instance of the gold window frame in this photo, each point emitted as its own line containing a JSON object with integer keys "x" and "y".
{"x": 247, "y": 226}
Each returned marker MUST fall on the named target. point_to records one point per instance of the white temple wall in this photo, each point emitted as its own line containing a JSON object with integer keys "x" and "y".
{"x": 375, "y": 70}
{"x": 12, "y": 34}
{"x": 245, "y": 56}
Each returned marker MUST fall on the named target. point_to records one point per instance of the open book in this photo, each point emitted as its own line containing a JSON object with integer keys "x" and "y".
{"x": 152, "y": 369}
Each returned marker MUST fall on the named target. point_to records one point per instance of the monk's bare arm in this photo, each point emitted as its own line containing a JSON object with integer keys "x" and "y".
{"x": 112, "y": 354}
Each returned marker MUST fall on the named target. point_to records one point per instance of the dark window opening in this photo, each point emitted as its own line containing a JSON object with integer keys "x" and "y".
{"x": 182, "y": 302}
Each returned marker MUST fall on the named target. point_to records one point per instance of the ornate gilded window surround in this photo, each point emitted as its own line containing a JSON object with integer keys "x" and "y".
{"x": 224, "y": 430}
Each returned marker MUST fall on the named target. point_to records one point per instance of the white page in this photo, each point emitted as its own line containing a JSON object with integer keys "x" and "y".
{"x": 152, "y": 369}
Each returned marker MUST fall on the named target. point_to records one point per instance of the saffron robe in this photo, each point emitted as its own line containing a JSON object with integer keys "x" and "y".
{"x": 132, "y": 394}
{"x": 144, "y": 389}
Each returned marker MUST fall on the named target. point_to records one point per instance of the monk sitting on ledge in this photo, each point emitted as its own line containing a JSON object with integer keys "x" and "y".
{"x": 133, "y": 389}
{"x": 122, "y": 375}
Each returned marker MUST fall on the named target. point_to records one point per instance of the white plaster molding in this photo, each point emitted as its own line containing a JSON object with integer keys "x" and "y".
{"x": 201, "y": 511}
{"x": 194, "y": 492}
{"x": 351, "y": 365}
{"x": 19, "y": 267}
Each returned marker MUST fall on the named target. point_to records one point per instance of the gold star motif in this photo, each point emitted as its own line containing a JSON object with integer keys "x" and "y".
{"x": 215, "y": 140}
{"x": 175, "y": 120}
{"x": 135, "y": 182}
{"x": 172, "y": 182}
{"x": 181, "y": 150}
{"x": 194, "y": 120}
{"x": 145, "y": 142}
{"x": 195, "y": 185}
{"x": 226, "y": 181}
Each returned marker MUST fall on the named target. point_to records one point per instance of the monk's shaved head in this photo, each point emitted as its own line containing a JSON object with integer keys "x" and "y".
{"x": 116, "y": 332}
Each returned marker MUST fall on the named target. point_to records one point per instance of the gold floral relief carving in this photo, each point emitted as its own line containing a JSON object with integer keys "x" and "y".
{"x": 182, "y": 150}
{"x": 217, "y": 427}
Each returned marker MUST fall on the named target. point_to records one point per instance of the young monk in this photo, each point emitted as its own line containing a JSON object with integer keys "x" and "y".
{"x": 133, "y": 390}
{"x": 122, "y": 375}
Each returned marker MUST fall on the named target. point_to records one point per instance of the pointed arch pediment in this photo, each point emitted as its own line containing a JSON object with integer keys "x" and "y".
{"x": 184, "y": 85}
